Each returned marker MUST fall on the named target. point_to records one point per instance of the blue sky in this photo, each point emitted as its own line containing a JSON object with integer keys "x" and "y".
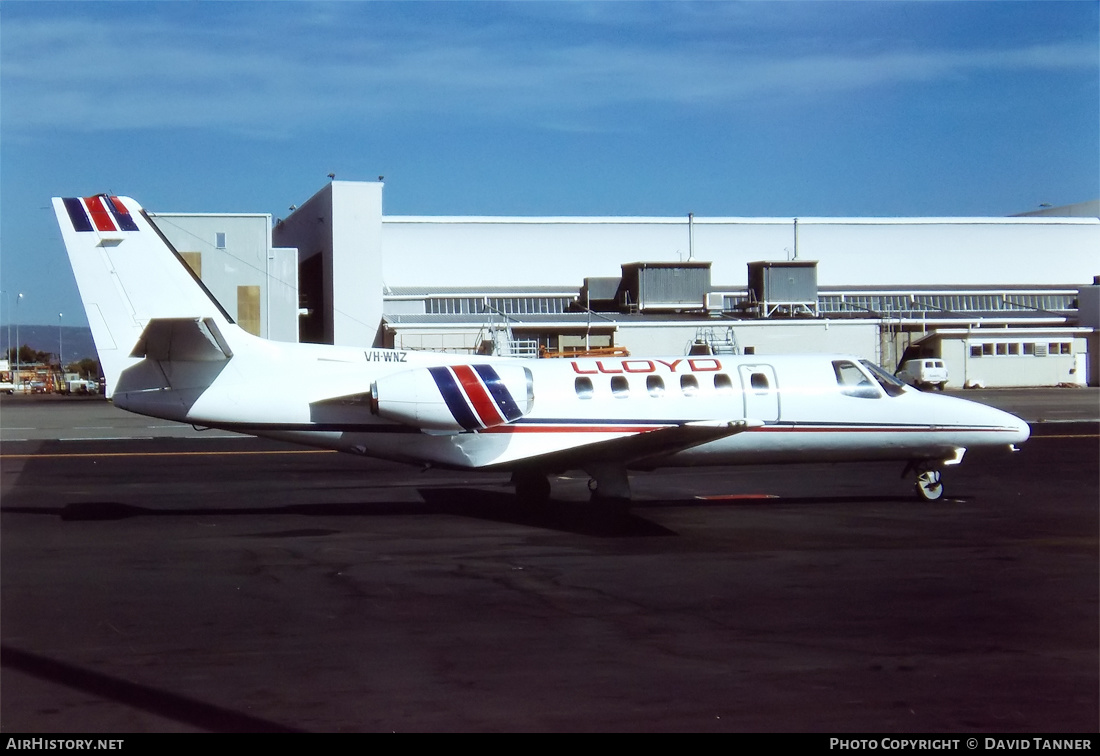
{"x": 540, "y": 108}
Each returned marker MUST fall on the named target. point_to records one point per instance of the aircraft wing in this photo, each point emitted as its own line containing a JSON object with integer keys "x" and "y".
{"x": 575, "y": 451}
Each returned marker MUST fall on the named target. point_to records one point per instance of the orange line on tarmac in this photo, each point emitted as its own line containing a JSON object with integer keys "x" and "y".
{"x": 737, "y": 497}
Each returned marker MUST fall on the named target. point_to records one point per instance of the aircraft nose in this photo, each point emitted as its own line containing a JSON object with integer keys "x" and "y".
{"x": 1023, "y": 430}
{"x": 993, "y": 427}
{"x": 1016, "y": 431}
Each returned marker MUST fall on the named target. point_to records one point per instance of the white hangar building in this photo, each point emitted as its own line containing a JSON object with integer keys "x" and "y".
{"x": 1006, "y": 301}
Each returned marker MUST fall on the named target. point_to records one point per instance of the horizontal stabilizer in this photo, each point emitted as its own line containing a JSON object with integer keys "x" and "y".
{"x": 182, "y": 340}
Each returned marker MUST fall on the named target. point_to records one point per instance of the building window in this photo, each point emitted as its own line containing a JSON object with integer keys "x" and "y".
{"x": 219, "y": 240}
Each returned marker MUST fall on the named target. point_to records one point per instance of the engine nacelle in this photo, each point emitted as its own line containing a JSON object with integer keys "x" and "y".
{"x": 454, "y": 397}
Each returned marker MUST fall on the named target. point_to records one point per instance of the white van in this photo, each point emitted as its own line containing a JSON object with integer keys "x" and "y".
{"x": 923, "y": 373}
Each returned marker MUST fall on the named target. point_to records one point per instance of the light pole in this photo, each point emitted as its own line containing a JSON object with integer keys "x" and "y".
{"x": 60, "y": 343}
{"x": 7, "y": 311}
{"x": 17, "y": 301}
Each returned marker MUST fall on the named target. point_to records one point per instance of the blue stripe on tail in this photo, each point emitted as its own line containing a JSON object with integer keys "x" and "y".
{"x": 77, "y": 215}
{"x": 500, "y": 393}
{"x": 452, "y": 395}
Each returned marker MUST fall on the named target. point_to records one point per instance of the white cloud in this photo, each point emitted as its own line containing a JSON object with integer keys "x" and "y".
{"x": 146, "y": 72}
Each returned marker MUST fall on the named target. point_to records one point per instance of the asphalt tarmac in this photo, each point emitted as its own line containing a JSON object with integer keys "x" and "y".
{"x": 203, "y": 583}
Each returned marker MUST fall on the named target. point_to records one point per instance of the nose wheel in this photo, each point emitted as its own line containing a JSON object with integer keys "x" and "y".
{"x": 929, "y": 485}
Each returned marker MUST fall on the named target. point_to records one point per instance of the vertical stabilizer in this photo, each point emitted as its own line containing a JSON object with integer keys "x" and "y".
{"x": 128, "y": 274}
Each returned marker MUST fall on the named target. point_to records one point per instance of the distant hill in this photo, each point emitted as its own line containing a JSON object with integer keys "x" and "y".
{"x": 76, "y": 341}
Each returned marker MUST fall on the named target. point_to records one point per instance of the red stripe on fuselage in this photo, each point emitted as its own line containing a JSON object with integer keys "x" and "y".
{"x": 100, "y": 217}
{"x": 479, "y": 397}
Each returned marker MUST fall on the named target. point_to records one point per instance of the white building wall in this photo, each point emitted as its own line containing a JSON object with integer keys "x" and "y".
{"x": 235, "y": 251}
{"x": 1008, "y": 370}
{"x": 343, "y": 223}
{"x": 860, "y": 338}
{"x": 862, "y": 252}
{"x": 281, "y": 296}
{"x": 357, "y": 262}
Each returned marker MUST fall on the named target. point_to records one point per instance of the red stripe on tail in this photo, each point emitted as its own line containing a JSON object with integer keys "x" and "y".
{"x": 483, "y": 403}
{"x": 100, "y": 216}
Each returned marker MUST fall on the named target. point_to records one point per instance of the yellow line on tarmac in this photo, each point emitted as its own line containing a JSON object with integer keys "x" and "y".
{"x": 167, "y": 454}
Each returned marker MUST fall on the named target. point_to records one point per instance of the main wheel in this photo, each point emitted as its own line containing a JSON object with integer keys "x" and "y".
{"x": 929, "y": 487}
{"x": 532, "y": 488}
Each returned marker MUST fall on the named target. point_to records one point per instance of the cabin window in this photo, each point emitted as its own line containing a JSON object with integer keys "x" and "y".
{"x": 853, "y": 381}
{"x": 620, "y": 387}
{"x": 759, "y": 382}
{"x": 655, "y": 385}
{"x": 583, "y": 387}
{"x": 689, "y": 385}
{"x": 723, "y": 384}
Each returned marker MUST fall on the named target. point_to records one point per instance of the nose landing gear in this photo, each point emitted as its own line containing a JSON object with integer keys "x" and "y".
{"x": 929, "y": 486}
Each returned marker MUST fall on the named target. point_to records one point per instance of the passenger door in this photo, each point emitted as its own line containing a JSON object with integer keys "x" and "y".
{"x": 758, "y": 386}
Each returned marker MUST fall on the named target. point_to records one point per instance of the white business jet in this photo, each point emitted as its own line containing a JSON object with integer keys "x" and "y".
{"x": 169, "y": 350}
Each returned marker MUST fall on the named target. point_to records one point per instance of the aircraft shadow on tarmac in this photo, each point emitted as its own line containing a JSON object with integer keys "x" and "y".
{"x": 579, "y": 517}
{"x": 189, "y": 711}
{"x": 574, "y": 517}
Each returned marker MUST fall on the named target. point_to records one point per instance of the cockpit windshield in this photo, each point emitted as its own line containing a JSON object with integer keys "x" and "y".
{"x": 891, "y": 385}
{"x": 853, "y": 381}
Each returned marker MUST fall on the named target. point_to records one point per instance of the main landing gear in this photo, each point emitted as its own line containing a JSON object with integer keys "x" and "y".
{"x": 532, "y": 487}
{"x": 608, "y": 485}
